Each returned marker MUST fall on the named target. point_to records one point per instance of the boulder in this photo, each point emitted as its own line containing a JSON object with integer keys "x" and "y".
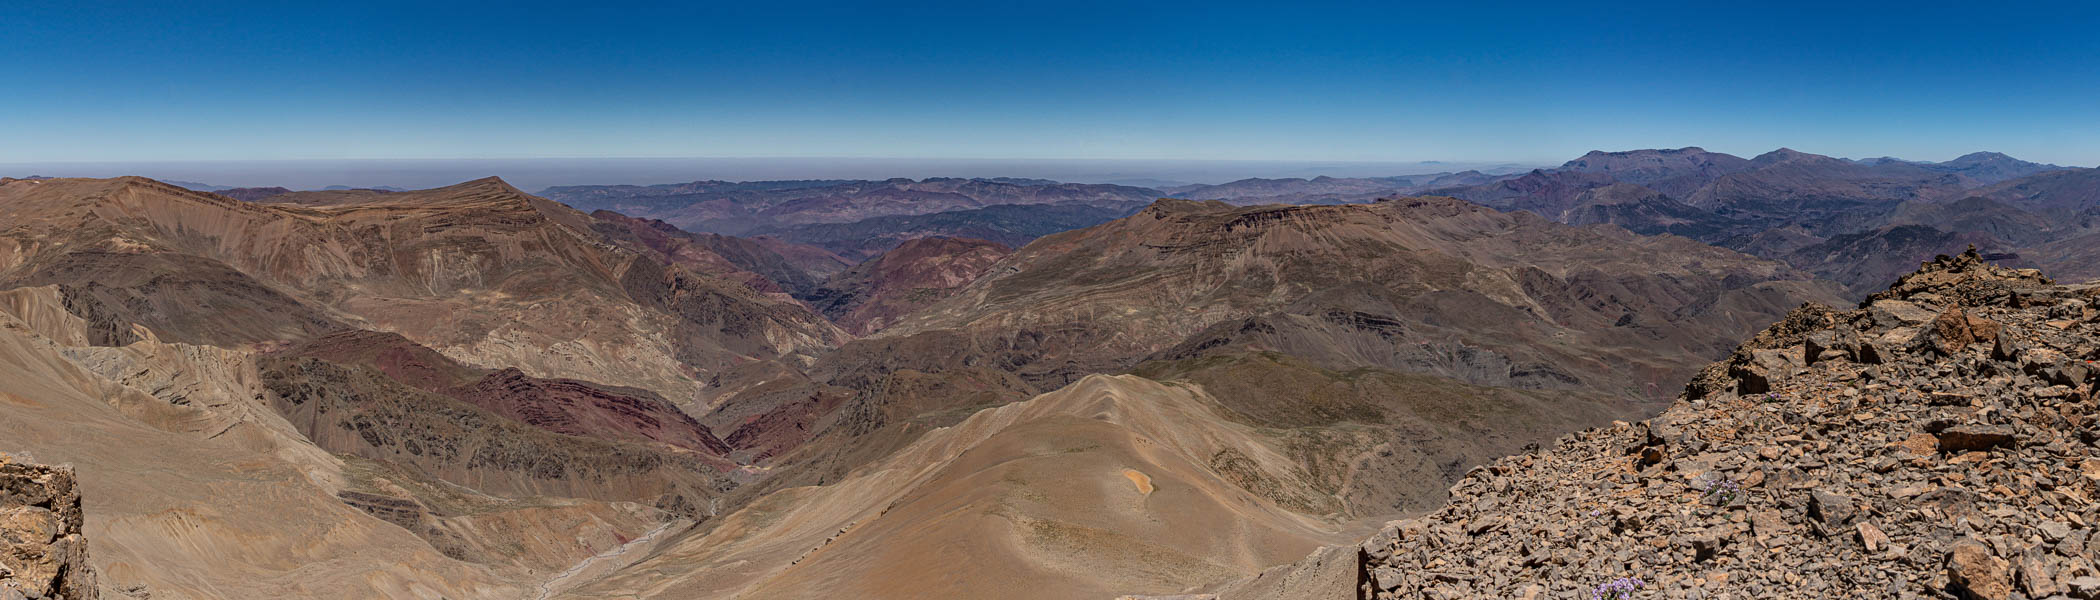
{"x": 1953, "y": 331}
{"x": 1970, "y": 438}
{"x": 1832, "y": 510}
{"x": 1973, "y": 573}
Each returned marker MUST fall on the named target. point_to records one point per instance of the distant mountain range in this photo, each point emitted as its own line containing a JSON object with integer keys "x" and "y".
{"x": 860, "y": 218}
{"x": 996, "y": 387}
{"x": 1859, "y": 222}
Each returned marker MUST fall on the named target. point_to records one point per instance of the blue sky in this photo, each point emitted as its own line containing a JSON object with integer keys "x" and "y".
{"x": 1526, "y": 82}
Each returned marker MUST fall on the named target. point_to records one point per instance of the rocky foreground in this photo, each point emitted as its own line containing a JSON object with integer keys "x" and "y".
{"x": 1938, "y": 442}
{"x": 42, "y": 554}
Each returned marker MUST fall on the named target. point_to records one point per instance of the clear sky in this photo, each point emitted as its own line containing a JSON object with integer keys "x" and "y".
{"x": 1462, "y": 81}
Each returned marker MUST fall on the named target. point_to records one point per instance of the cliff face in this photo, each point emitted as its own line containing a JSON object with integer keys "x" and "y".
{"x": 42, "y": 553}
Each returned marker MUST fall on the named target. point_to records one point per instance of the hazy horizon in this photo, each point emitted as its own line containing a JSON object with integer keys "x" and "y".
{"x": 1533, "y": 83}
{"x": 539, "y": 173}
{"x": 534, "y": 174}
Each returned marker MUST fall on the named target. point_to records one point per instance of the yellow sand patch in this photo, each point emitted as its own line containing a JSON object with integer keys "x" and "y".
{"x": 1141, "y": 480}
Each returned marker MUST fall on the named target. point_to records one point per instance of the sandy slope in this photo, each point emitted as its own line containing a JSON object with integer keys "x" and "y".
{"x": 194, "y": 489}
{"x": 1099, "y": 487}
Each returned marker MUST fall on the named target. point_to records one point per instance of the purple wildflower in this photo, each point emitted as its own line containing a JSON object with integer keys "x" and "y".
{"x": 1721, "y": 490}
{"x": 1617, "y": 589}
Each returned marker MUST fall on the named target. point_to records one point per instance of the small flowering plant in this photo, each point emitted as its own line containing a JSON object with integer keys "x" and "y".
{"x": 1617, "y": 589}
{"x": 1719, "y": 490}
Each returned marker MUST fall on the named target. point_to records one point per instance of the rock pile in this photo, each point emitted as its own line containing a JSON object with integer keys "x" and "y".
{"x": 1936, "y": 442}
{"x": 42, "y": 554}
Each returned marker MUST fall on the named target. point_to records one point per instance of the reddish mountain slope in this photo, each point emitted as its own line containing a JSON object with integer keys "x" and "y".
{"x": 478, "y": 271}
{"x": 877, "y": 292}
{"x": 562, "y": 406}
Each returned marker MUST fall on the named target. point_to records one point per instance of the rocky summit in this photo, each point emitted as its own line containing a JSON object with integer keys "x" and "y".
{"x": 42, "y": 554}
{"x": 1936, "y": 442}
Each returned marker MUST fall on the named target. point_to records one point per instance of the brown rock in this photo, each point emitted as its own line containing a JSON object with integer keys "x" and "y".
{"x": 1831, "y": 510}
{"x": 1767, "y": 523}
{"x": 28, "y": 525}
{"x": 2086, "y": 588}
{"x": 1903, "y": 312}
{"x": 2036, "y": 580}
{"x": 1969, "y": 438}
{"x": 1871, "y": 537}
{"x": 1955, "y": 330}
{"x": 1920, "y": 444}
{"x": 1972, "y": 572}
{"x": 41, "y": 551}
{"x": 1651, "y": 455}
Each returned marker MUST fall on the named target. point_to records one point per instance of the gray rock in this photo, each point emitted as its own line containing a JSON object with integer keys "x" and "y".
{"x": 1833, "y": 511}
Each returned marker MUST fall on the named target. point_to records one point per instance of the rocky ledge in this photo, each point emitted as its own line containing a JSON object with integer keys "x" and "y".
{"x": 42, "y": 554}
{"x": 1937, "y": 442}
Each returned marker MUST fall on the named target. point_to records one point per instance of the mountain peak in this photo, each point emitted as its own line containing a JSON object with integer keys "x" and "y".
{"x": 491, "y": 183}
{"x": 1982, "y": 156}
{"x": 1164, "y": 207}
{"x": 1784, "y": 155}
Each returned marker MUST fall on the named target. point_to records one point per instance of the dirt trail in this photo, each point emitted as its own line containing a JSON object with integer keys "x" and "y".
{"x": 605, "y": 562}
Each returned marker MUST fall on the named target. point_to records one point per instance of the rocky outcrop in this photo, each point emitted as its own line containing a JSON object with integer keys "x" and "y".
{"x": 1938, "y": 442}
{"x": 42, "y": 552}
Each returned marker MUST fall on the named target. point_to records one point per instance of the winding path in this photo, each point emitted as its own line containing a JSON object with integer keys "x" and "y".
{"x": 559, "y": 582}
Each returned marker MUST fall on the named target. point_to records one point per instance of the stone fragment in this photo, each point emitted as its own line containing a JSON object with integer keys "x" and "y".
{"x": 1900, "y": 311}
{"x": 1388, "y": 578}
{"x": 1918, "y": 444}
{"x": 1830, "y": 509}
{"x": 1651, "y": 455}
{"x": 2004, "y": 347}
{"x": 1953, "y": 331}
{"x": 1830, "y": 344}
{"x": 1972, "y": 572}
{"x": 28, "y": 525}
{"x": 1972, "y": 438}
{"x": 2054, "y": 531}
{"x": 2084, "y": 588}
{"x": 2036, "y": 580}
{"x": 1764, "y": 368}
{"x": 1946, "y": 399}
{"x": 1703, "y": 544}
{"x": 1871, "y": 537}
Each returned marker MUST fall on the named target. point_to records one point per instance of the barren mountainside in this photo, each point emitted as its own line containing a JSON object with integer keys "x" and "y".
{"x": 472, "y": 392}
{"x": 1938, "y": 441}
{"x": 1429, "y": 285}
{"x": 479, "y": 271}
